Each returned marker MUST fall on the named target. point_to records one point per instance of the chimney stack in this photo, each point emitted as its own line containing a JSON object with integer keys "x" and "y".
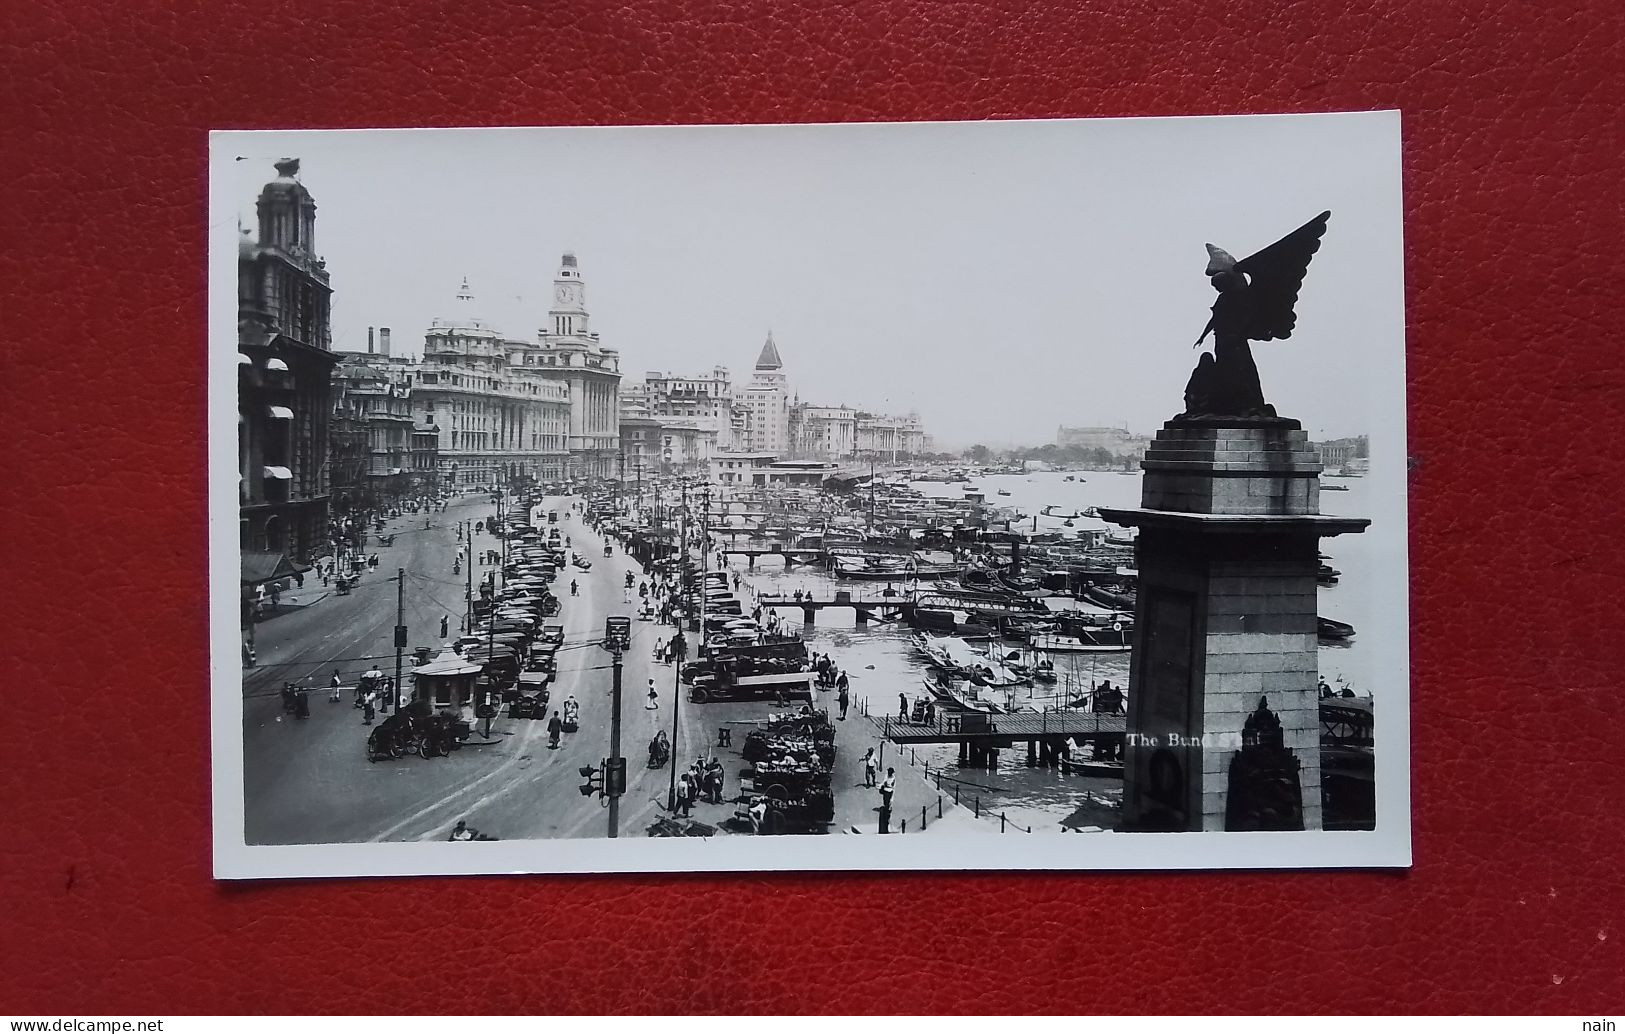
{"x": 383, "y": 340}
{"x": 369, "y": 341}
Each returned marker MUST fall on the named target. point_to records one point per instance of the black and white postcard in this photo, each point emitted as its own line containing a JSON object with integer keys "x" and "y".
{"x": 999, "y": 495}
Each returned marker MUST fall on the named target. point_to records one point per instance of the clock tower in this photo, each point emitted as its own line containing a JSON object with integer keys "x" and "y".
{"x": 590, "y": 370}
{"x": 567, "y": 316}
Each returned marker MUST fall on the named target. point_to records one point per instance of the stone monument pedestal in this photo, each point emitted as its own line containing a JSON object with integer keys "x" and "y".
{"x": 1225, "y": 626}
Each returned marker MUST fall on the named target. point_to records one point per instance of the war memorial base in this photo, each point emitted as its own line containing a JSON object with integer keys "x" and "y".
{"x": 1228, "y": 553}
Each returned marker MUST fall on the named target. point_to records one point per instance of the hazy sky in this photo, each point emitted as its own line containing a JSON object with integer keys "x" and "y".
{"x": 999, "y": 277}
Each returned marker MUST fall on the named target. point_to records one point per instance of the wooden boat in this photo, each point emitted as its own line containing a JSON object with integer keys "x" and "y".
{"x": 1097, "y": 769}
{"x": 961, "y": 695}
{"x": 1104, "y": 641}
{"x": 1112, "y": 599}
{"x": 874, "y": 567}
{"x": 1103, "y": 633}
{"x": 1029, "y": 665}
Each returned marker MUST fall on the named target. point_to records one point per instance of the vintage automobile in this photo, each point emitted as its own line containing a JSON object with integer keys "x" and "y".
{"x": 403, "y": 733}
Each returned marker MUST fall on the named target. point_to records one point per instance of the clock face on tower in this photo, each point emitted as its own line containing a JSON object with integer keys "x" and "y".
{"x": 562, "y": 293}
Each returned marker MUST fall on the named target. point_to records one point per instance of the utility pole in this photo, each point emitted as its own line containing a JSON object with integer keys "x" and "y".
{"x": 693, "y": 618}
{"x": 468, "y": 569}
{"x": 705, "y": 554}
{"x": 871, "y": 493}
{"x": 400, "y": 629}
{"x": 615, "y": 746}
{"x": 677, "y": 666}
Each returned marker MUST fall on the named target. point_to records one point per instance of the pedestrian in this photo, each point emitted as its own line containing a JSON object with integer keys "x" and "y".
{"x": 554, "y": 727}
{"x": 888, "y": 788}
{"x": 902, "y": 707}
{"x": 333, "y": 697}
{"x": 714, "y": 778}
{"x": 684, "y": 801}
{"x": 387, "y": 694}
{"x": 368, "y": 699}
{"x": 654, "y": 697}
{"x": 869, "y": 767}
{"x": 301, "y": 699}
{"x": 660, "y": 651}
{"x": 843, "y": 699}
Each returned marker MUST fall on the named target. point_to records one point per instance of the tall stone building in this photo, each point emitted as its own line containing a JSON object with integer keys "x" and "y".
{"x": 284, "y": 383}
{"x": 572, "y": 355}
{"x": 825, "y": 432}
{"x": 766, "y": 404}
{"x": 889, "y": 437}
{"x": 500, "y": 418}
{"x": 702, "y": 402}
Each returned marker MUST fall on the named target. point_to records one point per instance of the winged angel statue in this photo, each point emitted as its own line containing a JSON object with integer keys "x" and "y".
{"x": 1256, "y": 300}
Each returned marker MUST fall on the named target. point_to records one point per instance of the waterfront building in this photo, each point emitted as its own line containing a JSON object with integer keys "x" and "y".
{"x": 828, "y": 432}
{"x": 763, "y": 469}
{"x": 284, "y": 382}
{"x": 640, "y": 446}
{"x": 500, "y": 416}
{"x": 685, "y": 444}
{"x": 702, "y": 402}
{"x": 888, "y": 437}
{"x": 571, "y": 354}
{"x": 1339, "y": 453}
{"x": 766, "y": 405}
{"x": 740, "y": 468}
{"x": 1115, "y": 440}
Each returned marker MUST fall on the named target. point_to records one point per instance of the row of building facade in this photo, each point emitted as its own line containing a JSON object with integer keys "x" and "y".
{"x": 677, "y": 421}
{"x": 326, "y": 438}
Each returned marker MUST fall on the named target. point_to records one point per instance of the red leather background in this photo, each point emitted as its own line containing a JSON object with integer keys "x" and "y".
{"x": 1514, "y": 161}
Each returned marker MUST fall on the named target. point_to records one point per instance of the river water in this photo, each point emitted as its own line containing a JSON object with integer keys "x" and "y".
{"x": 881, "y": 662}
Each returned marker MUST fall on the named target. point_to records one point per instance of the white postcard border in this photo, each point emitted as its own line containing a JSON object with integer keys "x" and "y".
{"x": 1389, "y": 845}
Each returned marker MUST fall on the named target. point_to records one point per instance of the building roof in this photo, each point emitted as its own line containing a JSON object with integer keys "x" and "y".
{"x": 260, "y": 567}
{"x": 769, "y": 359}
{"x": 463, "y": 316}
{"x": 287, "y": 180}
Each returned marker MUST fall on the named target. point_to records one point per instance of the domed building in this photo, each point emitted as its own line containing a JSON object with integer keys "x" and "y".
{"x": 499, "y": 420}
{"x": 284, "y": 374}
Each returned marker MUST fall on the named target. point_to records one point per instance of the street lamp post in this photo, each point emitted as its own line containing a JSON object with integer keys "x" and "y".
{"x": 677, "y": 664}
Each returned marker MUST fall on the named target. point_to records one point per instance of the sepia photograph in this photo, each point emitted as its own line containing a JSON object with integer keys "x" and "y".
{"x": 995, "y": 495}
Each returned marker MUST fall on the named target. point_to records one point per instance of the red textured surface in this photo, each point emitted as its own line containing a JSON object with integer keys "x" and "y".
{"x": 1513, "y": 161}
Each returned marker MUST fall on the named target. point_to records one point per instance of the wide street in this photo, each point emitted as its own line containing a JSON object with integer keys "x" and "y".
{"x": 310, "y": 781}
